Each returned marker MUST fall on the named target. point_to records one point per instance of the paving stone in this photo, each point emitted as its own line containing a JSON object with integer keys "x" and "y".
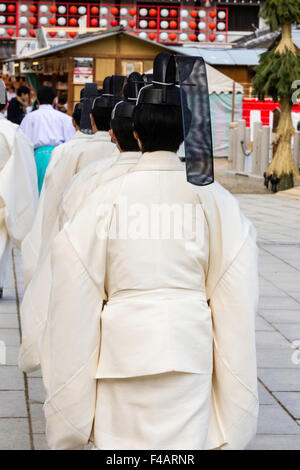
{"x": 291, "y": 401}
{"x": 11, "y": 378}
{"x": 265, "y": 398}
{"x": 281, "y": 380}
{"x": 36, "y": 390}
{"x": 14, "y": 434}
{"x": 12, "y": 405}
{"x": 37, "y": 419}
{"x": 271, "y": 442}
{"x": 270, "y": 340}
{"x": 11, "y": 337}
{"x": 280, "y": 315}
{"x": 262, "y": 325}
{"x": 12, "y": 354}
{"x": 274, "y": 420}
{"x": 278, "y": 302}
{"x": 40, "y": 442}
{"x": 291, "y": 331}
{"x": 8, "y": 320}
{"x": 35, "y": 374}
{"x": 8, "y": 306}
{"x": 276, "y": 359}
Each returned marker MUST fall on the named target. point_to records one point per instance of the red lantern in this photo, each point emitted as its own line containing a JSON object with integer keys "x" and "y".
{"x": 73, "y": 10}
{"x": 53, "y": 9}
{"x": 193, "y": 25}
{"x": 213, "y": 14}
{"x": 52, "y": 34}
{"x": 152, "y": 36}
{"x": 173, "y": 24}
{"x": 114, "y": 23}
{"x": 10, "y": 31}
{"x": 212, "y": 37}
{"x": 114, "y": 11}
{"x": 132, "y": 12}
{"x": 72, "y": 34}
{"x": 173, "y": 13}
{"x": 94, "y": 10}
{"x": 152, "y": 24}
{"x": 32, "y": 20}
{"x": 152, "y": 12}
{"x": 131, "y": 23}
{"x": 11, "y": 20}
{"x": 32, "y": 8}
{"x": 192, "y": 37}
{"x": 212, "y": 25}
{"x": 194, "y": 14}
{"x": 172, "y": 36}
{"x": 52, "y": 21}
{"x": 11, "y": 8}
{"x": 94, "y": 22}
{"x": 32, "y": 32}
{"x": 73, "y": 22}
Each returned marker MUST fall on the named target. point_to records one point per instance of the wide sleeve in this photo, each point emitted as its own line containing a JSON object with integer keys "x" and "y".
{"x": 19, "y": 193}
{"x": 71, "y": 340}
{"x": 232, "y": 291}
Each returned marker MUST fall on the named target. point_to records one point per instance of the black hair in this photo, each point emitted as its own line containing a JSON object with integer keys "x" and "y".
{"x": 23, "y": 89}
{"x": 159, "y": 127}
{"x": 77, "y": 115}
{"x": 102, "y": 118}
{"x": 123, "y": 130}
{"x": 46, "y": 95}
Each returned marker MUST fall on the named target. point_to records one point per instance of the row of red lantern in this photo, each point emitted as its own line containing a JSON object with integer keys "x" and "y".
{"x": 31, "y": 32}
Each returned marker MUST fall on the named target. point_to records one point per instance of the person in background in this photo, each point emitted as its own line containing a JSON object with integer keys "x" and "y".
{"x": 46, "y": 128}
{"x": 17, "y": 107}
{"x": 62, "y": 104}
{"x": 11, "y": 93}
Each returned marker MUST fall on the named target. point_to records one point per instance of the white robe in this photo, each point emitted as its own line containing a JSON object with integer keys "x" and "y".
{"x": 35, "y": 302}
{"x": 156, "y": 318}
{"x": 18, "y": 191}
{"x": 32, "y": 243}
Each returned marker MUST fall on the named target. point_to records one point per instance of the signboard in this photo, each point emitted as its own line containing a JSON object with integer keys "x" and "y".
{"x": 25, "y": 46}
{"x": 8, "y": 68}
{"x": 31, "y": 67}
{"x": 83, "y": 70}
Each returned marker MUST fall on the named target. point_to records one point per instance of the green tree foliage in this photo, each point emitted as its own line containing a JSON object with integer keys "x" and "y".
{"x": 277, "y": 12}
{"x": 275, "y": 75}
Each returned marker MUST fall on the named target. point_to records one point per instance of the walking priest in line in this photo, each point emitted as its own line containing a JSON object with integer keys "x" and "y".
{"x": 32, "y": 243}
{"x": 18, "y": 187}
{"x": 46, "y": 128}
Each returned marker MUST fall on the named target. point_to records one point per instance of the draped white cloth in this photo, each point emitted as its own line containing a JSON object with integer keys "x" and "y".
{"x": 35, "y": 303}
{"x": 156, "y": 317}
{"x": 18, "y": 191}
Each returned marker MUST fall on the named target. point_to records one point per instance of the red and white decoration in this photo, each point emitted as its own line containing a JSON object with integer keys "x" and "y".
{"x": 159, "y": 23}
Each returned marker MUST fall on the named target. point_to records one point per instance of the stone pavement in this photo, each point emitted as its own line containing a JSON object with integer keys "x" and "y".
{"x": 278, "y": 325}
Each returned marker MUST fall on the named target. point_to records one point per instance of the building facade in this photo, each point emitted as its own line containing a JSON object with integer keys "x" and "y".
{"x": 204, "y": 22}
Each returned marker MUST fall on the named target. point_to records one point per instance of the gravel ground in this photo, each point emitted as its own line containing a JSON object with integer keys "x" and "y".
{"x": 239, "y": 184}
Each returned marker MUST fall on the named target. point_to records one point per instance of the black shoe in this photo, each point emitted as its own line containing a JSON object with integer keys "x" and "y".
{"x": 1, "y": 292}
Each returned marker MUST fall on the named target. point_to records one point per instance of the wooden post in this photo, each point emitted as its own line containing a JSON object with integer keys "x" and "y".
{"x": 70, "y": 85}
{"x": 265, "y": 149}
{"x": 256, "y": 164}
{"x": 232, "y": 145}
{"x": 233, "y": 102}
{"x": 297, "y": 149}
{"x": 240, "y": 158}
